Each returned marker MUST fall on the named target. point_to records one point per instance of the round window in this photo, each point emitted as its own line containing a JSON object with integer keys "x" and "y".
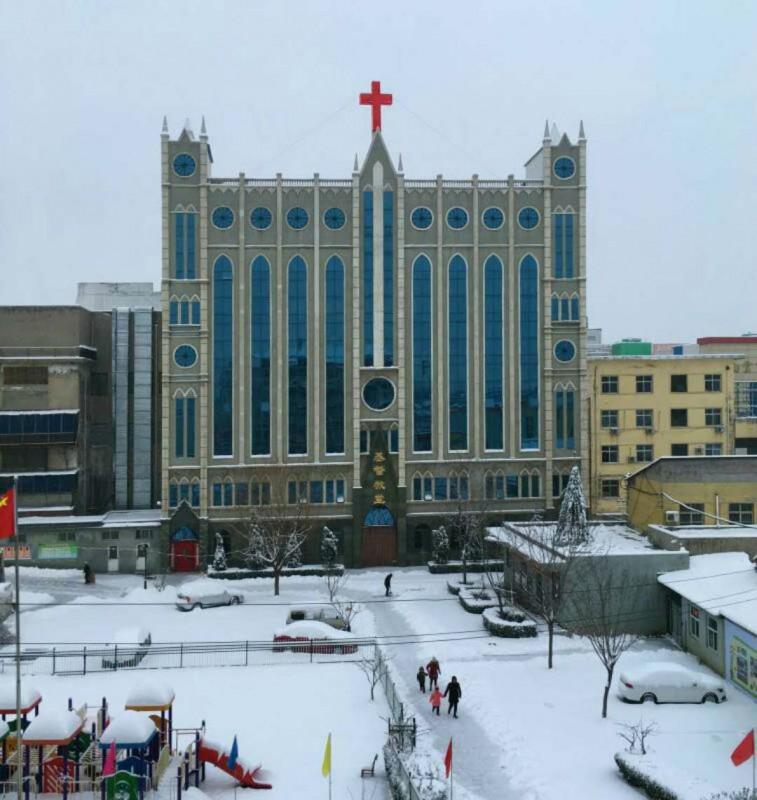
{"x": 565, "y": 350}
{"x": 261, "y": 218}
{"x": 185, "y": 355}
{"x": 564, "y": 168}
{"x": 422, "y": 218}
{"x": 378, "y": 394}
{"x": 297, "y": 218}
{"x": 184, "y": 165}
{"x": 457, "y": 218}
{"x": 334, "y": 218}
{"x": 494, "y": 218}
{"x": 223, "y": 217}
{"x": 528, "y": 218}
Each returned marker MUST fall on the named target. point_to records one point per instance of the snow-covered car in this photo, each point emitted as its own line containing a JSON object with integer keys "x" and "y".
{"x": 325, "y": 614}
{"x": 668, "y": 682}
{"x": 312, "y": 636}
{"x": 130, "y": 646}
{"x": 205, "y": 594}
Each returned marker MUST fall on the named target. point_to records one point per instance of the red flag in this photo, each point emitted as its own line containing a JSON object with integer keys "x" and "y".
{"x": 7, "y": 510}
{"x": 448, "y": 760}
{"x": 109, "y": 764}
{"x": 744, "y": 751}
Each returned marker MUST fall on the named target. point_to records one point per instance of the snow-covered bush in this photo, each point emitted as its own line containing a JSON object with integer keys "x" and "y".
{"x": 424, "y": 770}
{"x": 634, "y": 775}
{"x": 329, "y": 547}
{"x": 440, "y": 545}
{"x": 219, "y": 557}
{"x": 514, "y": 625}
{"x": 475, "y": 599}
{"x": 454, "y": 586}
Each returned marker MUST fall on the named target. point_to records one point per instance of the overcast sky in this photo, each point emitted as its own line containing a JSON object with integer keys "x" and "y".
{"x": 667, "y": 92}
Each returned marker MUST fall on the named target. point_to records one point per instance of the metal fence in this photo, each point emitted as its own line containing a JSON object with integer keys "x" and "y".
{"x": 87, "y": 659}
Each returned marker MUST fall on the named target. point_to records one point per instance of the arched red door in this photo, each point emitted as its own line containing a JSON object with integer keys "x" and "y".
{"x": 379, "y": 538}
{"x": 185, "y": 551}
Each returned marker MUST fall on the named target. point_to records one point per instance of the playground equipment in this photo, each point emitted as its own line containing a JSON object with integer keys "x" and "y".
{"x": 216, "y": 755}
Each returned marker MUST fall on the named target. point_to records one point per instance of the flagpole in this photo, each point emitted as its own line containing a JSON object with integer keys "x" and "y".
{"x": 19, "y": 760}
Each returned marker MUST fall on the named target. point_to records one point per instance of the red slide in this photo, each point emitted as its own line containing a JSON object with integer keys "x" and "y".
{"x": 216, "y": 755}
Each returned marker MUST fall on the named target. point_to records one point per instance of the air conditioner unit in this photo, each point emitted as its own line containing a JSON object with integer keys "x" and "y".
{"x": 699, "y": 451}
{"x": 613, "y": 431}
{"x": 718, "y": 429}
{"x": 672, "y": 517}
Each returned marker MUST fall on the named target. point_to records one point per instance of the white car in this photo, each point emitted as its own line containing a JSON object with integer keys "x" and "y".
{"x": 667, "y": 682}
{"x": 319, "y": 613}
{"x": 205, "y": 594}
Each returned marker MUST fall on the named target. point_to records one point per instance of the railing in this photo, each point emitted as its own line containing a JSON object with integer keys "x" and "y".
{"x": 80, "y": 661}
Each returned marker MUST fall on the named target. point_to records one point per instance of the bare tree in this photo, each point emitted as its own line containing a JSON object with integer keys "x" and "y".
{"x": 468, "y": 521}
{"x": 372, "y": 666}
{"x": 602, "y": 610}
{"x": 344, "y": 609}
{"x": 636, "y": 735}
{"x": 277, "y": 532}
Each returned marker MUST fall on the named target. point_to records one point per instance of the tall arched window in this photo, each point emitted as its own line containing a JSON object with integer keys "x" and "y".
{"x": 563, "y": 244}
{"x": 368, "y": 278}
{"x": 458, "y": 353}
{"x": 422, "y": 354}
{"x": 184, "y": 246}
{"x": 388, "y": 279}
{"x": 493, "y": 353}
{"x": 565, "y": 436}
{"x": 574, "y": 308}
{"x": 297, "y": 309}
{"x": 260, "y": 354}
{"x": 223, "y": 369}
{"x": 334, "y": 355}
{"x": 529, "y": 353}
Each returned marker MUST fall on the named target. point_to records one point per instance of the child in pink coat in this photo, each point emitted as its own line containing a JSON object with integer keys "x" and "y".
{"x": 436, "y": 700}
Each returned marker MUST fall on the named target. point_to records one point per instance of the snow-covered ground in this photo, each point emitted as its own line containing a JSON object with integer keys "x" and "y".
{"x": 524, "y": 731}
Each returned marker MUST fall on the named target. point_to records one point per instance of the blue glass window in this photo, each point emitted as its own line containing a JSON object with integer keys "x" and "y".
{"x": 184, "y": 312}
{"x": 173, "y": 312}
{"x": 422, "y": 218}
{"x": 563, "y": 245}
{"x": 316, "y": 491}
{"x": 185, "y": 355}
{"x": 457, "y": 218}
{"x": 190, "y": 405}
{"x": 440, "y": 488}
{"x": 493, "y": 353}
{"x": 297, "y": 218}
{"x": 297, "y": 307}
{"x": 180, "y": 243}
{"x": 334, "y": 218}
{"x": 565, "y": 350}
{"x": 260, "y": 218}
{"x": 184, "y": 165}
{"x": 574, "y": 310}
{"x": 422, "y": 354}
{"x": 223, "y": 217}
{"x": 565, "y": 438}
{"x": 179, "y": 429}
{"x": 555, "y": 308}
{"x": 493, "y": 218}
{"x": 388, "y": 279}
{"x": 394, "y": 440}
{"x": 458, "y": 354}
{"x": 242, "y": 493}
{"x": 378, "y": 394}
{"x": 260, "y": 354}
{"x": 184, "y": 244}
{"x": 195, "y": 312}
{"x": 564, "y": 168}
{"x": 565, "y": 308}
{"x": 194, "y": 495}
{"x": 223, "y": 370}
{"x": 173, "y": 495}
{"x": 217, "y": 494}
{"x": 191, "y": 268}
{"x": 368, "y": 279}
{"x": 528, "y": 218}
{"x": 183, "y": 491}
{"x": 329, "y": 491}
{"x": 364, "y": 441}
{"x": 228, "y": 494}
{"x": 334, "y": 355}
{"x": 529, "y": 354}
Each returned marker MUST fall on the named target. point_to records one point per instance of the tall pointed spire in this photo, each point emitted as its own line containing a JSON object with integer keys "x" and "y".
{"x": 164, "y": 129}
{"x": 581, "y": 134}
{"x": 546, "y": 131}
{"x": 400, "y": 168}
{"x": 355, "y": 166}
{"x": 188, "y": 129}
{"x": 203, "y": 129}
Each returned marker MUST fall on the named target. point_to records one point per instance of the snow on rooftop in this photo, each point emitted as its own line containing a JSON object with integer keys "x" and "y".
{"x": 720, "y": 583}
{"x": 53, "y": 725}
{"x": 129, "y": 727}
{"x": 29, "y": 695}
{"x": 4, "y": 728}
{"x": 708, "y": 531}
{"x": 605, "y": 539}
{"x": 150, "y": 693}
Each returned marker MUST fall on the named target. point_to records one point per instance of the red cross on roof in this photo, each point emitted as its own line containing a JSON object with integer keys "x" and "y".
{"x": 375, "y": 99}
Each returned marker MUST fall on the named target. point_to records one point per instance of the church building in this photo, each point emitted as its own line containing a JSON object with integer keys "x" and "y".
{"x": 384, "y": 349}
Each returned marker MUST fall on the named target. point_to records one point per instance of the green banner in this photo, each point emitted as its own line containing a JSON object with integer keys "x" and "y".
{"x": 122, "y": 786}
{"x": 55, "y": 551}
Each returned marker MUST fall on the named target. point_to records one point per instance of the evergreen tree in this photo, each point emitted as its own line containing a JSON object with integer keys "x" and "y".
{"x": 572, "y": 527}
{"x": 440, "y": 545}
{"x": 329, "y": 547}
{"x": 219, "y": 557}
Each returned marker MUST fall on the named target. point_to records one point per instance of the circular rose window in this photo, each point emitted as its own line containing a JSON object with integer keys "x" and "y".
{"x": 378, "y": 394}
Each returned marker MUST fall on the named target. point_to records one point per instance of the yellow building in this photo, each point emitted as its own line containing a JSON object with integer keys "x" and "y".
{"x": 694, "y": 491}
{"x": 644, "y": 407}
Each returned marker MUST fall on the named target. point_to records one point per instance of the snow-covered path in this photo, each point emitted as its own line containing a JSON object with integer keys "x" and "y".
{"x": 478, "y": 772}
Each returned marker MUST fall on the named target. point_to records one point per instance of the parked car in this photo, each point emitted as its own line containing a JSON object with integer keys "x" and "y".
{"x": 312, "y": 636}
{"x": 130, "y": 646}
{"x": 325, "y": 614}
{"x": 205, "y": 594}
{"x": 667, "y": 682}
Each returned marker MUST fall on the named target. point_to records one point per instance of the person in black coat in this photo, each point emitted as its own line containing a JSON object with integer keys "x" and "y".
{"x": 454, "y": 692}
{"x": 421, "y": 676}
{"x": 388, "y": 584}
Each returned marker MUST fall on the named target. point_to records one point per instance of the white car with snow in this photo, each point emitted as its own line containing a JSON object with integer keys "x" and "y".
{"x": 320, "y": 613}
{"x": 668, "y": 682}
{"x": 312, "y": 636}
{"x": 206, "y": 594}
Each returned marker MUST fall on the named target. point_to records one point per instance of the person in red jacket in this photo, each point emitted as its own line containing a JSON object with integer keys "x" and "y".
{"x": 434, "y": 671}
{"x": 435, "y": 698}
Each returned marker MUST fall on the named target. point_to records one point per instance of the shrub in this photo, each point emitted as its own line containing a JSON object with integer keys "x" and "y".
{"x": 423, "y": 772}
{"x": 236, "y": 574}
{"x": 634, "y": 776}
{"x": 514, "y": 625}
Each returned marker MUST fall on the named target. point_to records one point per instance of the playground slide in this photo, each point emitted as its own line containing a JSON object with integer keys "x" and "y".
{"x": 217, "y": 756}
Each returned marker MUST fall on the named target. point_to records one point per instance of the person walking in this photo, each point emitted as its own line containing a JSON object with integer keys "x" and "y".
{"x": 421, "y": 678}
{"x": 435, "y": 698}
{"x": 388, "y": 584}
{"x": 454, "y": 692}
{"x": 434, "y": 671}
